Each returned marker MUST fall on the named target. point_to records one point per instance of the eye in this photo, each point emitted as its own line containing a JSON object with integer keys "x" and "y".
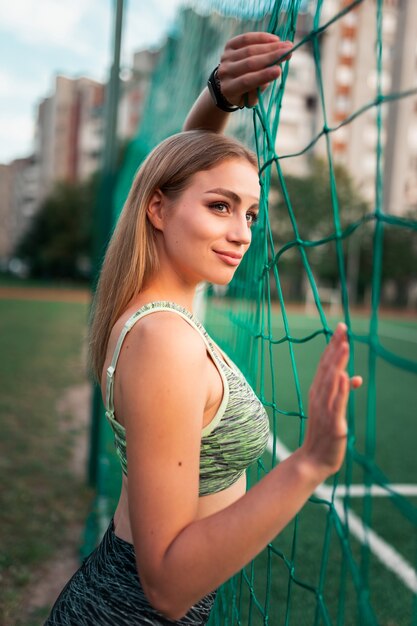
{"x": 221, "y": 207}
{"x": 251, "y": 217}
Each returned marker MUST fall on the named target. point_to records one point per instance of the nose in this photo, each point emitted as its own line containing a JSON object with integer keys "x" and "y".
{"x": 239, "y": 231}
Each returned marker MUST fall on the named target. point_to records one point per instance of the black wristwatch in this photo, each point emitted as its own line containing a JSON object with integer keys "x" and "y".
{"x": 219, "y": 100}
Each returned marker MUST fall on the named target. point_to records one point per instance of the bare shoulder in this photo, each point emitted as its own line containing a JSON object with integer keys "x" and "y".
{"x": 163, "y": 334}
{"x": 162, "y": 358}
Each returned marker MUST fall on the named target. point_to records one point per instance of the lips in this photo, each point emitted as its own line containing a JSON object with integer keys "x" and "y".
{"x": 231, "y": 258}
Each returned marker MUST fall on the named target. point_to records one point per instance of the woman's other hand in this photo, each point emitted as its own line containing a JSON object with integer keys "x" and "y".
{"x": 326, "y": 436}
{"x": 249, "y": 62}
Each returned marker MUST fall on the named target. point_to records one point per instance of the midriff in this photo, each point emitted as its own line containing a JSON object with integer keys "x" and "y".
{"x": 207, "y": 505}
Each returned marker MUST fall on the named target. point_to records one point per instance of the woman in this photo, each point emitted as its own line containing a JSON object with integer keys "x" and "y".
{"x": 186, "y": 422}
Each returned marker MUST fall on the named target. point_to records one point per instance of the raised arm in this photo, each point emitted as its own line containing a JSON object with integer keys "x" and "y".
{"x": 181, "y": 558}
{"x": 249, "y": 61}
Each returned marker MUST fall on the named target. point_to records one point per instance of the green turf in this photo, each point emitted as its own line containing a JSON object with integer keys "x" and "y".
{"x": 8, "y": 280}
{"x": 41, "y": 344}
{"x": 397, "y": 398}
{"x": 396, "y": 401}
{"x": 395, "y": 455}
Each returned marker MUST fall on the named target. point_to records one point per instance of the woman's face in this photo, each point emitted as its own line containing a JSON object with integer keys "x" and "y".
{"x": 207, "y": 229}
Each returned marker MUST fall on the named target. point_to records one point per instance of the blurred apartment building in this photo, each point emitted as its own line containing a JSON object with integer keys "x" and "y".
{"x": 18, "y": 203}
{"x": 69, "y": 131}
{"x": 68, "y": 144}
{"x": 67, "y": 147}
{"x": 348, "y": 63}
{"x": 350, "y": 81}
{"x": 134, "y": 89}
{"x": 297, "y": 122}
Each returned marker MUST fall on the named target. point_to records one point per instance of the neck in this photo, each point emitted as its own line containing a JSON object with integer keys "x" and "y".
{"x": 159, "y": 289}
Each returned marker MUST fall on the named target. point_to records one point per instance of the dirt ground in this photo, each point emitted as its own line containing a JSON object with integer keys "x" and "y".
{"x": 74, "y": 410}
{"x": 76, "y": 402}
{"x": 53, "y": 575}
{"x": 84, "y": 295}
{"x": 45, "y": 293}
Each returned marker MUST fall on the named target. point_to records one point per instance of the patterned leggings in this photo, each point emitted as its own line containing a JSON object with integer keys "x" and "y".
{"x": 106, "y": 591}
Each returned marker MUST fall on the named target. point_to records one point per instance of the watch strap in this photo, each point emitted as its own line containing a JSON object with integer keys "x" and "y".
{"x": 220, "y": 101}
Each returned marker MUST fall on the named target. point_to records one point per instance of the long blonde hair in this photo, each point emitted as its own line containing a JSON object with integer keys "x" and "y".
{"x": 131, "y": 257}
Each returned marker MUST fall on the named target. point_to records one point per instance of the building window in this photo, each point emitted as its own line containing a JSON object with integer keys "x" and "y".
{"x": 350, "y": 19}
{"x": 342, "y": 104}
{"x": 385, "y": 80}
{"x": 369, "y": 164}
{"x": 347, "y": 47}
{"x": 344, "y": 75}
{"x": 388, "y": 23}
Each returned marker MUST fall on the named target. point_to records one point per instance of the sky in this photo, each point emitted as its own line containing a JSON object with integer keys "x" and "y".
{"x": 40, "y": 38}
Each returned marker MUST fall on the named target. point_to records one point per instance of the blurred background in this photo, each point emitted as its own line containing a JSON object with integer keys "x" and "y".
{"x": 87, "y": 88}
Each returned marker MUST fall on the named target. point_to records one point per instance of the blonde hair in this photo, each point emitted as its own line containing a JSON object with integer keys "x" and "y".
{"x": 131, "y": 257}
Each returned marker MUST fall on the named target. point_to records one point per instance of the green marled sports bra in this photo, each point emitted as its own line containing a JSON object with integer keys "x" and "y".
{"x": 238, "y": 433}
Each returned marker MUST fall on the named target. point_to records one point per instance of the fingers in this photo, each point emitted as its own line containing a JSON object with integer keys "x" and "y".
{"x": 328, "y": 399}
{"x": 251, "y": 66}
{"x": 328, "y": 355}
{"x": 250, "y": 99}
{"x": 339, "y": 339}
{"x": 234, "y": 89}
{"x": 356, "y": 382}
{"x": 332, "y": 363}
{"x": 251, "y": 61}
{"x": 268, "y": 53}
{"x": 340, "y": 404}
{"x": 329, "y": 383}
{"x": 248, "y": 39}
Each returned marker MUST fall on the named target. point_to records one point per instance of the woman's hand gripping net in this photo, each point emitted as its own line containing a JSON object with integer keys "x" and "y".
{"x": 249, "y": 62}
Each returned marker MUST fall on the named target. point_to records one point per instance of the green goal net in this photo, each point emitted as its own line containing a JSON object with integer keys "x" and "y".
{"x": 333, "y": 242}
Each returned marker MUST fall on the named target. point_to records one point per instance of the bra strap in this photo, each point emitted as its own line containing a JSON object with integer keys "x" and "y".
{"x": 146, "y": 310}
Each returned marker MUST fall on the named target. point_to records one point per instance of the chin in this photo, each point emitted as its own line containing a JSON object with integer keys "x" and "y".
{"x": 222, "y": 282}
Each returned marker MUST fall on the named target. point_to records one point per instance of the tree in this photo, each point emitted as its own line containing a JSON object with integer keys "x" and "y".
{"x": 399, "y": 260}
{"x": 312, "y": 206}
{"x": 58, "y": 241}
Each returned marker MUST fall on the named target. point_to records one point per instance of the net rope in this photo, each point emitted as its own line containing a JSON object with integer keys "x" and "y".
{"x": 322, "y": 568}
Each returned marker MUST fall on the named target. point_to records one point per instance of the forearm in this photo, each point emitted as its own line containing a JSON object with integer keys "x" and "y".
{"x": 209, "y": 551}
{"x": 204, "y": 115}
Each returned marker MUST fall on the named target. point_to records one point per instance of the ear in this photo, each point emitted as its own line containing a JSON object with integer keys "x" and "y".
{"x": 156, "y": 209}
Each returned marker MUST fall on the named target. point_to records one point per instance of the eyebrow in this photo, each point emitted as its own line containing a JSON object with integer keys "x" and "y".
{"x": 230, "y": 194}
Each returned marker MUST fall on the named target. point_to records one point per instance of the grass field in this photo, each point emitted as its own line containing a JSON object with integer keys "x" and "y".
{"x": 312, "y": 554}
{"x": 41, "y": 344}
{"x": 262, "y": 589}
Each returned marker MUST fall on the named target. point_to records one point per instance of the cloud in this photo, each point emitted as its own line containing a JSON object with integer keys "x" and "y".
{"x": 16, "y": 134}
{"x": 78, "y": 24}
{"x": 12, "y": 87}
{"x": 146, "y": 23}
{"x": 48, "y": 22}
{"x": 42, "y": 37}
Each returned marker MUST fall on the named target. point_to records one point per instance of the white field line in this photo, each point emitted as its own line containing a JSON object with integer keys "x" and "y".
{"x": 359, "y": 491}
{"x": 385, "y": 553}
